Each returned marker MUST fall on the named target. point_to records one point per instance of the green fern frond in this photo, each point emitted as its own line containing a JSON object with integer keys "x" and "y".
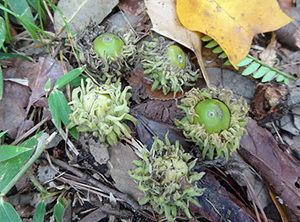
{"x": 261, "y": 70}
{"x": 254, "y": 66}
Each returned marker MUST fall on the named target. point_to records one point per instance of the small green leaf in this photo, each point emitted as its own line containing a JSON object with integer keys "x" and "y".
{"x": 223, "y": 55}
{"x": 54, "y": 108}
{"x": 22, "y": 12}
{"x": 251, "y": 68}
{"x": 2, "y": 134}
{"x": 269, "y": 76}
{"x": 138, "y": 163}
{"x": 286, "y": 81}
{"x": 62, "y": 81}
{"x": 168, "y": 212}
{"x": 244, "y": 62}
{"x": 2, "y": 31}
{"x": 47, "y": 85}
{"x": 260, "y": 72}
{"x": 8, "y": 213}
{"x": 60, "y": 110}
{"x": 206, "y": 38}
{"x": 21, "y": 8}
{"x": 4, "y": 56}
{"x": 279, "y": 78}
{"x": 39, "y": 213}
{"x": 11, "y": 170}
{"x": 144, "y": 200}
{"x": 211, "y": 44}
{"x": 227, "y": 63}
{"x": 59, "y": 211}
{"x": 35, "y": 4}
{"x": 8, "y": 151}
{"x": 217, "y": 50}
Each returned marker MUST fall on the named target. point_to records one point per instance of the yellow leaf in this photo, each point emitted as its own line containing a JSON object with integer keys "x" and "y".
{"x": 165, "y": 22}
{"x": 232, "y": 23}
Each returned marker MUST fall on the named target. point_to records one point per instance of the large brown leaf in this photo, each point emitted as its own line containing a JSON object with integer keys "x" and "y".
{"x": 24, "y": 85}
{"x": 278, "y": 168}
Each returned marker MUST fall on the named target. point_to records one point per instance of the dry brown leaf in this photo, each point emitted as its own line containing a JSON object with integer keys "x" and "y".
{"x": 121, "y": 157}
{"x": 165, "y": 22}
{"x": 41, "y": 72}
{"x": 278, "y": 168}
{"x": 12, "y": 106}
{"x": 268, "y": 56}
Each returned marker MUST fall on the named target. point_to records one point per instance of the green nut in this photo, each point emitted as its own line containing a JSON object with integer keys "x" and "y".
{"x": 109, "y": 52}
{"x": 167, "y": 66}
{"x": 214, "y": 114}
{"x": 214, "y": 121}
{"x": 176, "y": 56}
{"x": 108, "y": 45}
{"x": 165, "y": 174}
{"x": 101, "y": 111}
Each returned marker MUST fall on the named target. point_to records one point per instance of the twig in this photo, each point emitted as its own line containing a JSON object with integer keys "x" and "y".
{"x": 255, "y": 200}
{"x": 96, "y": 183}
{"x": 25, "y": 135}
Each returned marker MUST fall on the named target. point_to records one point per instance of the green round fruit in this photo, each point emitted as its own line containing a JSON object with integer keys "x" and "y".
{"x": 214, "y": 114}
{"x": 176, "y": 56}
{"x": 108, "y": 43}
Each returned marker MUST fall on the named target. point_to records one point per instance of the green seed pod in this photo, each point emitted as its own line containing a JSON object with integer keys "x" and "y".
{"x": 102, "y": 111}
{"x": 176, "y": 57}
{"x": 167, "y": 65}
{"x": 214, "y": 114}
{"x": 118, "y": 45}
{"x": 214, "y": 121}
{"x": 108, "y": 45}
{"x": 165, "y": 175}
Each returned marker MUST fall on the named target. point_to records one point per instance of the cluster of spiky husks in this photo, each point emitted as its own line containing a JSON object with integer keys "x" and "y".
{"x": 165, "y": 76}
{"x": 101, "y": 111}
{"x": 165, "y": 175}
{"x": 216, "y": 144}
{"x": 109, "y": 67}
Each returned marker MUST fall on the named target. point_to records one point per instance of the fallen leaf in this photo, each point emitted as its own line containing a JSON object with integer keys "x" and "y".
{"x": 278, "y": 168}
{"x": 24, "y": 85}
{"x": 40, "y": 73}
{"x": 80, "y": 13}
{"x": 12, "y": 107}
{"x": 133, "y": 7}
{"x": 121, "y": 157}
{"x": 165, "y": 22}
{"x": 268, "y": 56}
{"x": 216, "y": 197}
{"x": 232, "y": 23}
{"x": 147, "y": 129}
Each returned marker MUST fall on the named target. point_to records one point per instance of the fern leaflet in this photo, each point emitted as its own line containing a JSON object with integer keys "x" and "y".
{"x": 254, "y": 66}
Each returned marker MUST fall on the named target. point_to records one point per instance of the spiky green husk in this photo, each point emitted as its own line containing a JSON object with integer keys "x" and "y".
{"x": 101, "y": 111}
{"x": 216, "y": 144}
{"x": 165, "y": 76}
{"x": 165, "y": 175}
{"x": 110, "y": 68}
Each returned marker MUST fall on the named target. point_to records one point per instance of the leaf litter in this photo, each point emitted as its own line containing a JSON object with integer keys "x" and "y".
{"x": 156, "y": 114}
